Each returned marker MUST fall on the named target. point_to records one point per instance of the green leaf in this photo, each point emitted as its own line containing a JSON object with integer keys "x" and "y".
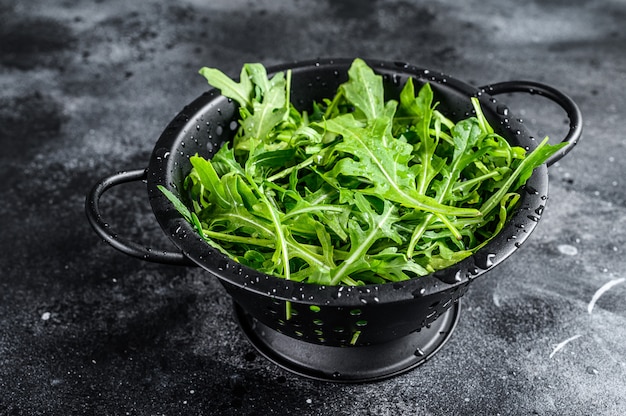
{"x": 241, "y": 92}
{"x": 361, "y": 239}
{"x": 535, "y": 159}
{"x": 274, "y": 159}
{"x": 210, "y": 180}
{"x": 383, "y": 161}
{"x": 267, "y": 110}
{"x": 180, "y": 207}
{"x": 364, "y": 90}
{"x": 525, "y": 169}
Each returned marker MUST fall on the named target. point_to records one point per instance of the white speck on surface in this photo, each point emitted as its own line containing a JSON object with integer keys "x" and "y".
{"x": 567, "y": 249}
{"x": 45, "y": 316}
{"x": 309, "y": 401}
{"x": 593, "y": 370}
{"x": 496, "y": 300}
{"x": 562, "y": 345}
{"x": 606, "y": 287}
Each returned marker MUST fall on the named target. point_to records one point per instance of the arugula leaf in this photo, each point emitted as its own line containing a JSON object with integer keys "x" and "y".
{"x": 364, "y": 89}
{"x": 383, "y": 161}
{"x": 240, "y": 92}
{"x": 523, "y": 172}
{"x": 378, "y": 226}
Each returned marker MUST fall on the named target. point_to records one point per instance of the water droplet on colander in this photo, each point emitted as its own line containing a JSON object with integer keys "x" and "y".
{"x": 539, "y": 210}
{"x": 502, "y": 109}
{"x": 419, "y": 292}
{"x": 336, "y": 374}
{"x": 533, "y": 218}
{"x": 530, "y": 190}
{"x": 489, "y": 260}
{"x": 419, "y": 353}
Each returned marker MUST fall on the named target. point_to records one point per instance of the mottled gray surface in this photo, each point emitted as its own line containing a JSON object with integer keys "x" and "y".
{"x": 86, "y": 87}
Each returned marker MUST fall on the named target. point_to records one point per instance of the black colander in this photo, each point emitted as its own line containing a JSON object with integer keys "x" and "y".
{"x": 349, "y": 334}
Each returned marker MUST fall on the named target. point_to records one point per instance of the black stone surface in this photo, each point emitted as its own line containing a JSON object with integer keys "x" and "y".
{"x": 86, "y": 87}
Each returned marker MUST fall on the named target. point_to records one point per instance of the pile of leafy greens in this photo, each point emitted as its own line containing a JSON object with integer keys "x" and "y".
{"x": 359, "y": 190}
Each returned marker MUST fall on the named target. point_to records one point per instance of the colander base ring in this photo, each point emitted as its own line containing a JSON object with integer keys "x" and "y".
{"x": 349, "y": 364}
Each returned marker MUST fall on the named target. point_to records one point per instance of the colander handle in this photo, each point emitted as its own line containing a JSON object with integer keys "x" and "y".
{"x": 102, "y": 228}
{"x": 570, "y": 107}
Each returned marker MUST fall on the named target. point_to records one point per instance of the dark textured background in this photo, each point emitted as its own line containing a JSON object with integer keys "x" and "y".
{"x": 86, "y": 87}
